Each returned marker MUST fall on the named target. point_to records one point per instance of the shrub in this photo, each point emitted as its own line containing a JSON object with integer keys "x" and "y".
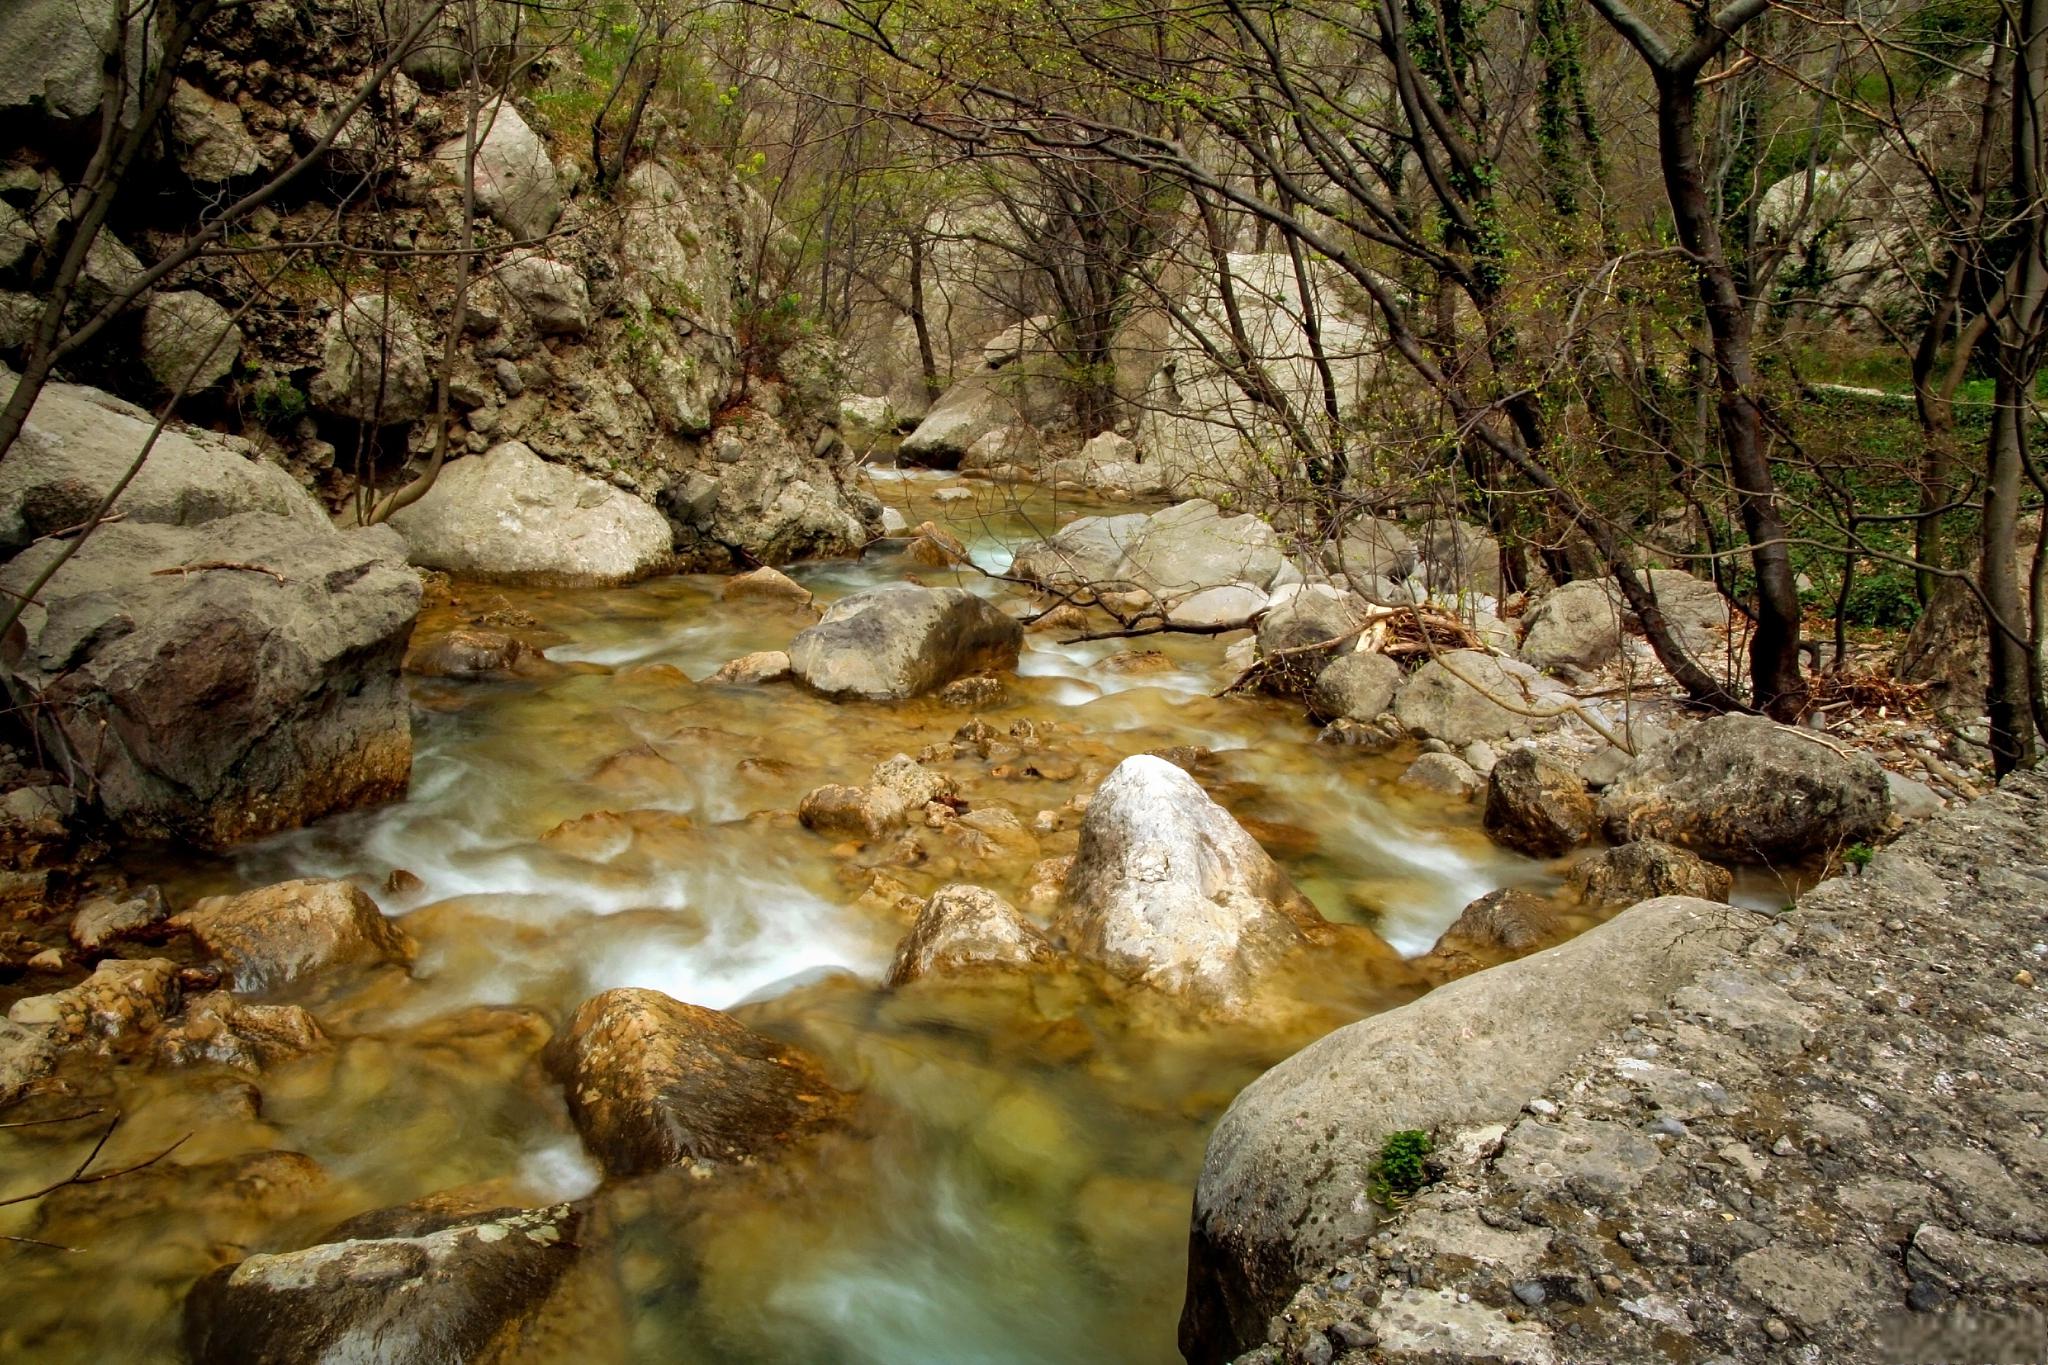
{"x": 1401, "y": 1168}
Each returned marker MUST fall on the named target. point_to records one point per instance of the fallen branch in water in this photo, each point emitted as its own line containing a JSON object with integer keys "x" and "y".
{"x": 79, "y": 1174}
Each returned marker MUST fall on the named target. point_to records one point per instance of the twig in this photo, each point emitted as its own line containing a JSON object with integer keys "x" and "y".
{"x": 79, "y": 1176}
{"x": 205, "y": 564}
{"x": 61, "y": 1118}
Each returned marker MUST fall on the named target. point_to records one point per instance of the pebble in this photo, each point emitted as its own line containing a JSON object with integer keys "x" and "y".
{"x": 1668, "y": 1127}
{"x": 51, "y": 960}
{"x": 1542, "y": 1108}
{"x": 1776, "y": 1330}
{"x": 1530, "y": 1292}
{"x": 2022, "y": 977}
{"x": 1785, "y": 1146}
{"x": 1610, "y": 1284}
{"x": 1353, "y": 1337}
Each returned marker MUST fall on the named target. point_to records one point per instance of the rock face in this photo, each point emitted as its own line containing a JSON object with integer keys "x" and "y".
{"x": 511, "y": 517}
{"x": 1437, "y": 699}
{"x": 1538, "y": 805}
{"x": 1578, "y": 628}
{"x": 213, "y": 142}
{"x": 515, "y": 178}
{"x": 373, "y": 363}
{"x": 652, "y": 1082}
{"x": 281, "y": 933}
{"x": 963, "y": 929}
{"x": 77, "y": 444}
{"x": 1947, "y": 644}
{"x": 482, "y": 1287}
{"x": 52, "y": 54}
{"x": 1167, "y": 889}
{"x": 1646, "y": 869}
{"x": 1743, "y": 789}
{"x": 1282, "y": 1191}
{"x": 901, "y": 640}
{"x": 218, "y": 703}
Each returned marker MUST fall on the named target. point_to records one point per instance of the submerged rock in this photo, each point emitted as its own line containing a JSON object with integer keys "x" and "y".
{"x": 220, "y": 682}
{"x": 1502, "y": 924}
{"x": 758, "y": 669}
{"x": 504, "y": 1285}
{"x": 509, "y": 516}
{"x": 1444, "y": 775}
{"x": 1167, "y": 889}
{"x": 281, "y": 933}
{"x": 219, "y": 1030}
{"x": 963, "y": 928}
{"x": 26, "y": 1056}
{"x": 1646, "y": 869}
{"x": 104, "y": 921}
{"x": 465, "y": 652}
{"x": 652, "y": 1082}
{"x": 1745, "y": 789}
{"x": 901, "y": 640}
{"x": 115, "y": 1009}
{"x": 1538, "y": 805}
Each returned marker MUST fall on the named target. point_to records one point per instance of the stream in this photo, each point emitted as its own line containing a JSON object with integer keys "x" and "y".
{"x": 1017, "y": 1186}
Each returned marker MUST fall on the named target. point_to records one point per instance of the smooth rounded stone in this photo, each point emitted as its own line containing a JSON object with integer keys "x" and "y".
{"x": 1304, "y": 633}
{"x": 1168, "y": 889}
{"x": 902, "y": 640}
{"x": 758, "y": 669}
{"x": 515, "y": 177}
{"x": 901, "y": 787}
{"x": 77, "y": 444}
{"x": 653, "y": 1082}
{"x": 1451, "y": 698}
{"x": 1743, "y": 789}
{"x": 1444, "y": 775}
{"x": 509, "y": 516}
{"x": 963, "y": 929}
{"x": 1481, "y": 756}
{"x": 894, "y": 523}
{"x": 104, "y": 921}
{"x": 250, "y": 666}
{"x": 1578, "y": 628}
{"x": 1229, "y": 604}
{"x": 1538, "y": 805}
{"x": 26, "y": 1056}
{"x": 189, "y": 342}
{"x": 1494, "y": 928}
{"x": 1644, "y": 870}
{"x": 1193, "y": 545}
{"x": 1015, "y": 445}
{"x": 1912, "y": 800}
{"x": 1355, "y": 686}
{"x": 1085, "y": 553}
{"x": 765, "y": 584}
{"x": 500, "y": 1285}
{"x": 1371, "y": 547}
{"x": 277, "y": 934}
{"x": 373, "y": 363}
{"x": 114, "y": 1009}
{"x": 552, "y": 293}
{"x": 219, "y": 1030}
{"x": 465, "y": 652}
{"x": 1277, "y": 1203}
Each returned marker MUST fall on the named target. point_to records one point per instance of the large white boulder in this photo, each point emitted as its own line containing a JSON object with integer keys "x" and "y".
{"x": 515, "y": 178}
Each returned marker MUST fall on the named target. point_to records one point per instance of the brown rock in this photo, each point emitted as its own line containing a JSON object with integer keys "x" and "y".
{"x": 1645, "y": 870}
{"x": 465, "y": 652}
{"x": 279, "y": 933}
{"x": 220, "y": 1030}
{"x": 116, "y": 1008}
{"x": 965, "y": 928}
{"x": 766, "y": 585}
{"x": 1498, "y": 926}
{"x": 758, "y": 669}
{"x": 1538, "y": 806}
{"x": 933, "y": 546}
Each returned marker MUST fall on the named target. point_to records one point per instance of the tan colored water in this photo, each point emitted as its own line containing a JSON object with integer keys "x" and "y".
{"x": 1017, "y": 1187}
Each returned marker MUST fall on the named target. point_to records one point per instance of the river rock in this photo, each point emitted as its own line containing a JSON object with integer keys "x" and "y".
{"x": 1227, "y": 605}
{"x": 1167, "y": 889}
{"x": 77, "y": 444}
{"x": 277, "y": 934}
{"x": 1087, "y": 552}
{"x": 765, "y": 585}
{"x": 509, "y": 516}
{"x": 1578, "y": 628}
{"x": 219, "y": 1030}
{"x": 1281, "y": 1194}
{"x": 652, "y": 1082}
{"x": 465, "y": 652}
{"x": 758, "y": 669}
{"x": 964, "y": 928}
{"x": 1743, "y": 789}
{"x": 1172, "y": 554}
{"x": 1371, "y": 547}
{"x": 1499, "y": 925}
{"x": 505, "y": 1285}
{"x": 26, "y": 1056}
{"x": 1296, "y": 635}
{"x": 373, "y": 363}
{"x": 1439, "y": 701}
{"x": 220, "y": 682}
{"x": 1355, "y": 686}
{"x": 1646, "y": 869}
{"x": 552, "y": 293}
{"x": 1444, "y": 775}
{"x": 189, "y": 343}
{"x": 115, "y": 1009}
{"x": 103, "y": 921}
{"x": 515, "y": 177}
{"x": 1538, "y": 805}
{"x": 901, "y": 640}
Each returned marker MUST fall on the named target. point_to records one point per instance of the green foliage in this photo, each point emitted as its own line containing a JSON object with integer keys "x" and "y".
{"x": 1858, "y": 856}
{"x": 1887, "y": 599}
{"x": 276, "y": 404}
{"x": 1401, "y": 1169}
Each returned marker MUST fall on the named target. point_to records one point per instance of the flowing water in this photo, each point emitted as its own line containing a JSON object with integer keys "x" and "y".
{"x": 1017, "y": 1183}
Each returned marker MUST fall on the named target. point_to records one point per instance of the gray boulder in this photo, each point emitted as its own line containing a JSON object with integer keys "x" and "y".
{"x": 1029, "y": 387}
{"x": 77, "y": 444}
{"x": 1743, "y": 789}
{"x": 552, "y": 293}
{"x": 1296, "y": 634}
{"x": 373, "y": 363}
{"x": 1459, "y": 557}
{"x": 1357, "y": 686}
{"x": 1498, "y": 926}
{"x": 1443, "y": 775}
{"x": 1452, "y": 698}
{"x": 1578, "y": 627}
{"x": 189, "y": 342}
{"x": 653, "y": 1082}
{"x": 413, "y": 1286}
{"x": 509, "y": 516}
{"x": 964, "y": 929}
{"x": 901, "y": 640}
{"x": 52, "y": 54}
{"x": 1173, "y": 554}
{"x": 213, "y": 144}
{"x": 1087, "y": 552}
{"x": 220, "y": 682}
{"x": 773, "y": 503}
{"x": 1371, "y": 547}
{"x": 1538, "y": 805}
{"x": 515, "y": 177}
{"x": 1283, "y": 1190}
{"x": 1167, "y": 889}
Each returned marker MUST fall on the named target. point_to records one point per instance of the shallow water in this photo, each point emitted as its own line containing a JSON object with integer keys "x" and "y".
{"x": 1016, "y": 1185}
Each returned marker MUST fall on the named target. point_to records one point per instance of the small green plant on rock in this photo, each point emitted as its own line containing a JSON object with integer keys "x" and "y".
{"x": 1401, "y": 1168}
{"x": 1858, "y": 856}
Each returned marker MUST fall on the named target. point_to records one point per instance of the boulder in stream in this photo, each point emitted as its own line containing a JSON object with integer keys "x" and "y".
{"x": 653, "y": 1082}
{"x": 1646, "y": 869}
{"x": 1168, "y": 889}
{"x": 902, "y": 640}
{"x": 1743, "y": 789}
{"x": 281, "y": 933}
{"x": 1538, "y": 805}
{"x": 966, "y": 928}
{"x": 1499, "y": 925}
